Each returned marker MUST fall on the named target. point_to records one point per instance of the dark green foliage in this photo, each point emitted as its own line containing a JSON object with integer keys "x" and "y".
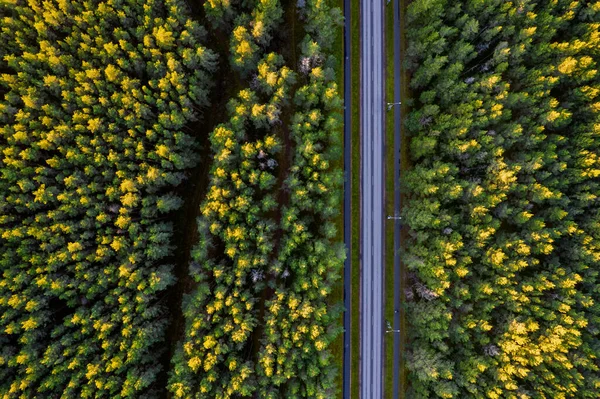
{"x": 258, "y": 323}
{"x": 503, "y": 206}
{"x": 94, "y": 99}
{"x": 222, "y": 313}
{"x": 97, "y": 99}
{"x": 299, "y": 323}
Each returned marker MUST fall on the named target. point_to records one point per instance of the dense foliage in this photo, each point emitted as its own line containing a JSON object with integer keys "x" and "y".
{"x": 504, "y": 255}
{"x": 258, "y": 322}
{"x": 300, "y": 324}
{"x": 94, "y": 99}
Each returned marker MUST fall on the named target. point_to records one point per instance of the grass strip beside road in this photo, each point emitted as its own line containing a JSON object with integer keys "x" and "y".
{"x": 389, "y": 202}
{"x": 355, "y": 329}
{"x": 337, "y": 296}
{"x": 405, "y": 164}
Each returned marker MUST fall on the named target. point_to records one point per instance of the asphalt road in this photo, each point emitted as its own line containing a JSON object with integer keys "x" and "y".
{"x": 372, "y": 193}
{"x": 347, "y": 379}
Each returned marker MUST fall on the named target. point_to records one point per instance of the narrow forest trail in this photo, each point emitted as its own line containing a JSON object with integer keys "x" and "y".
{"x": 193, "y": 191}
{"x": 286, "y": 42}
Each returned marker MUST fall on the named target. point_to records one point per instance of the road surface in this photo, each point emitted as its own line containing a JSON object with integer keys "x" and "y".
{"x": 372, "y": 192}
{"x": 347, "y": 202}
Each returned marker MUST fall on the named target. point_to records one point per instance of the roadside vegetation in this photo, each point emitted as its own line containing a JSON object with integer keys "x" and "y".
{"x": 355, "y": 201}
{"x": 503, "y": 253}
{"x": 389, "y": 360}
{"x": 258, "y": 322}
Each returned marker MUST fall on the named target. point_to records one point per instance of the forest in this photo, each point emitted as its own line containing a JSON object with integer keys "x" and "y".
{"x": 116, "y": 117}
{"x": 171, "y": 197}
{"x": 503, "y": 255}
